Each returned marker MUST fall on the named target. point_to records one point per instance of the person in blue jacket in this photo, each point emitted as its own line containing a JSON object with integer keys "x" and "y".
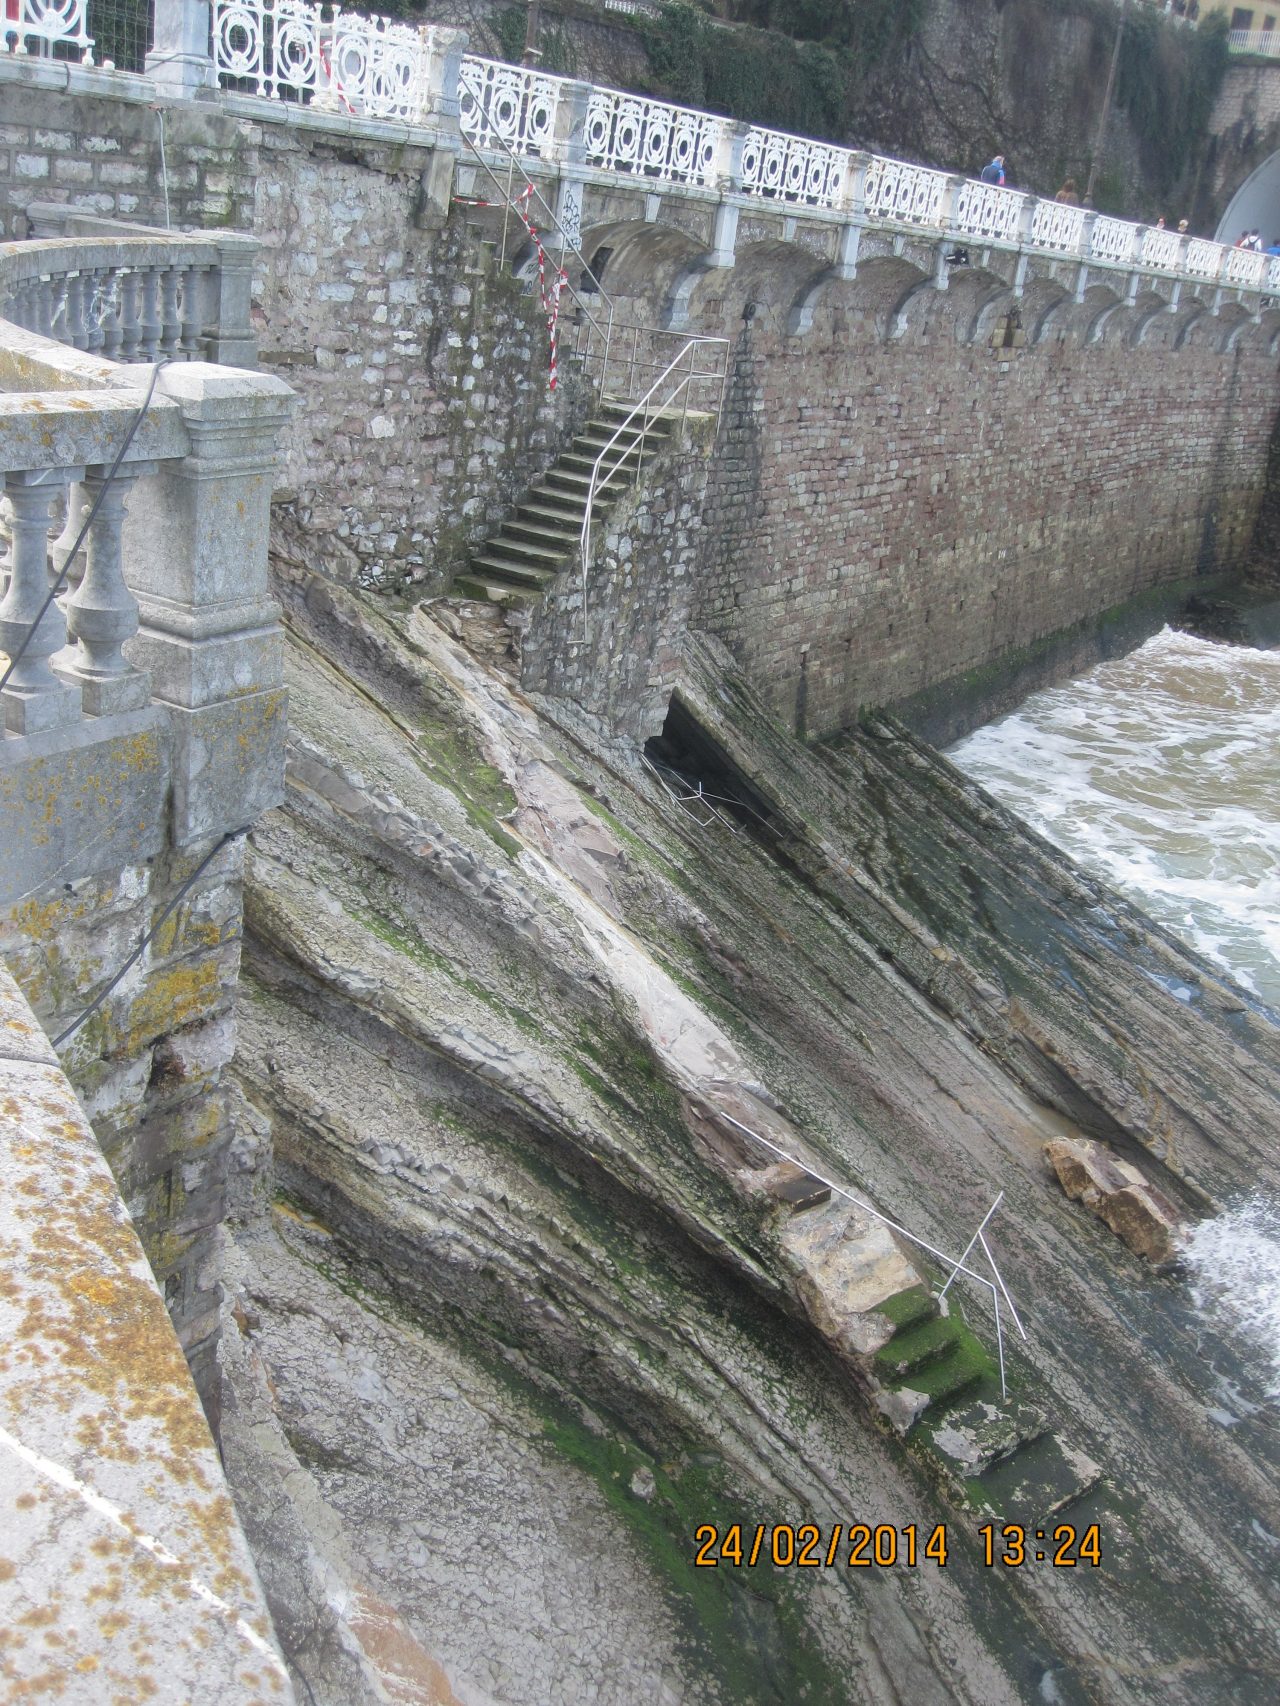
{"x": 994, "y": 173}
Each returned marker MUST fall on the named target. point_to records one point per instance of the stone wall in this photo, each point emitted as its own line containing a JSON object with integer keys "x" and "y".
{"x": 886, "y": 517}
{"x": 101, "y": 152}
{"x": 423, "y": 369}
{"x": 1244, "y": 132}
{"x": 615, "y": 653}
{"x": 422, "y": 366}
{"x": 147, "y": 1064}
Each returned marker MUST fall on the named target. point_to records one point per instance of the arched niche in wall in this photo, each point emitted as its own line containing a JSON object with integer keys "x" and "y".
{"x": 1255, "y": 206}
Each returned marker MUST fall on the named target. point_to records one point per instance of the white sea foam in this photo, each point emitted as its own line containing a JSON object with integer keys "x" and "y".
{"x": 1161, "y": 773}
{"x": 1234, "y": 1262}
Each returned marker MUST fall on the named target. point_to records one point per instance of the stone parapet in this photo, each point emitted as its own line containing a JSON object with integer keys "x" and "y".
{"x": 123, "y": 1569}
{"x": 142, "y": 711}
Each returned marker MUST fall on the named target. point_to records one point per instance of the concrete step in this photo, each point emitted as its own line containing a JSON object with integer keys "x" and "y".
{"x": 915, "y": 1347}
{"x": 545, "y": 512}
{"x": 495, "y": 565}
{"x": 491, "y": 591}
{"x": 1037, "y": 1483}
{"x": 536, "y": 553}
{"x": 574, "y": 481}
{"x": 578, "y": 461}
{"x": 559, "y": 534}
{"x": 946, "y": 1376}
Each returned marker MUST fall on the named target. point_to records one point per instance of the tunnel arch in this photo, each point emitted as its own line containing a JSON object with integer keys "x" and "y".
{"x": 1255, "y": 205}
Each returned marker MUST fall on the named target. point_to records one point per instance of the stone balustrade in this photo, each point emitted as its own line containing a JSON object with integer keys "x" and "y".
{"x": 161, "y": 654}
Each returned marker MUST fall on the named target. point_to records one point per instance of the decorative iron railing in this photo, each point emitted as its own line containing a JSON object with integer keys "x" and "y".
{"x": 904, "y": 194}
{"x": 508, "y": 107}
{"x": 33, "y": 27}
{"x": 1265, "y": 43}
{"x": 378, "y": 68}
{"x": 293, "y": 50}
{"x": 677, "y": 145}
{"x": 791, "y": 168}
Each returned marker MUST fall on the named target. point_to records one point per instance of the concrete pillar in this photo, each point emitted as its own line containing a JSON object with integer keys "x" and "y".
{"x": 209, "y": 631}
{"x": 179, "y": 62}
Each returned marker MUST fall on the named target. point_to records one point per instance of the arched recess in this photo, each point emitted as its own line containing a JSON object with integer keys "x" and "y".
{"x": 1255, "y": 206}
{"x": 1146, "y": 320}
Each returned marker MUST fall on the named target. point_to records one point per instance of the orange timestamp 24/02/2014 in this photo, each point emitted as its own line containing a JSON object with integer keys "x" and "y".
{"x": 847, "y": 1545}
{"x": 862, "y": 1545}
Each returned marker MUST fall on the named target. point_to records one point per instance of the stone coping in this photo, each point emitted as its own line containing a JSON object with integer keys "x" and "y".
{"x": 124, "y": 1573}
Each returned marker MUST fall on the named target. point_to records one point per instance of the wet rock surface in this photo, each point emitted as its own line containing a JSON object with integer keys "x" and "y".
{"x": 510, "y": 1007}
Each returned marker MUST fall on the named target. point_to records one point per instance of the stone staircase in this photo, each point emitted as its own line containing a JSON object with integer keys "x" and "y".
{"x": 517, "y": 563}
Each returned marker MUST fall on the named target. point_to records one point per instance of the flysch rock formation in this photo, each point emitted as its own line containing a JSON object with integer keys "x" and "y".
{"x": 516, "y": 1302}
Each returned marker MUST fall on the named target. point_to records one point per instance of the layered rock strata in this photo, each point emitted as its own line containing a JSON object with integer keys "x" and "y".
{"x": 534, "y": 1304}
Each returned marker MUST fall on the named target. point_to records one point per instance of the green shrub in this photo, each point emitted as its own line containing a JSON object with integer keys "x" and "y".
{"x": 1166, "y": 82}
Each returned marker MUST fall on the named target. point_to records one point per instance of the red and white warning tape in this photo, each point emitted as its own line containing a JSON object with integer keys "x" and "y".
{"x": 548, "y": 295}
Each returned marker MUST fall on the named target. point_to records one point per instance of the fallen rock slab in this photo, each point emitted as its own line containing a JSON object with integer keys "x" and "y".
{"x": 1116, "y": 1191}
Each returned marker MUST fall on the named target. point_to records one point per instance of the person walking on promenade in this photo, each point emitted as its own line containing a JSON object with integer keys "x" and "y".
{"x": 994, "y": 172}
{"x": 1069, "y": 193}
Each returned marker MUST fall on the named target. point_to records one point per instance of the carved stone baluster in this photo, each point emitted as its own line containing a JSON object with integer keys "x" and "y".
{"x": 58, "y": 309}
{"x": 192, "y": 314}
{"x": 20, "y": 306}
{"x": 149, "y": 320}
{"x": 33, "y": 698}
{"x": 60, "y": 550}
{"x": 75, "y": 305}
{"x": 94, "y": 310}
{"x": 102, "y": 613}
{"x": 44, "y": 307}
{"x": 113, "y": 319}
{"x": 170, "y": 319}
{"x": 129, "y": 333}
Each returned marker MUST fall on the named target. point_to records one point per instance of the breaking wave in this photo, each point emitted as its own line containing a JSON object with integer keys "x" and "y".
{"x": 1233, "y": 1262}
{"x": 1160, "y": 773}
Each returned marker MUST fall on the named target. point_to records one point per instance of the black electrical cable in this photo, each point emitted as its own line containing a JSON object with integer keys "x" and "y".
{"x": 56, "y": 588}
{"x": 137, "y": 953}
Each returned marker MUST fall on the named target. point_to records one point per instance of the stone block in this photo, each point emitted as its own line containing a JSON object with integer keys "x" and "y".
{"x": 80, "y": 800}
{"x": 228, "y": 763}
{"x": 1118, "y": 1193}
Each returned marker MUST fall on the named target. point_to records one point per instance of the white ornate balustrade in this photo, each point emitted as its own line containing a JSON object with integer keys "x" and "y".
{"x": 793, "y": 169}
{"x": 380, "y": 69}
{"x": 291, "y": 50}
{"x": 507, "y": 107}
{"x": 676, "y": 145}
{"x": 903, "y": 194}
{"x": 33, "y": 26}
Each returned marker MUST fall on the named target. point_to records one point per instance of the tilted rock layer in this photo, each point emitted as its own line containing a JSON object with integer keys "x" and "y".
{"x": 594, "y": 1095}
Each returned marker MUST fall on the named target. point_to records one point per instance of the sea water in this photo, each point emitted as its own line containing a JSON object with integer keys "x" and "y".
{"x": 1161, "y": 774}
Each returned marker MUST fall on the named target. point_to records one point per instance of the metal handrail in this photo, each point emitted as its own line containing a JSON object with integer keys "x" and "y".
{"x": 680, "y": 390}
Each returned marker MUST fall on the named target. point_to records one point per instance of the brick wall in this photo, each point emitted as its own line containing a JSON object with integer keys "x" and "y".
{"x": 885, "y": 517}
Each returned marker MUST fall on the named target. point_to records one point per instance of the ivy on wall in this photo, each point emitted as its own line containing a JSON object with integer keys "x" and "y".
{"x": 748, "y": 74}
{"x": 1166, "y": 82}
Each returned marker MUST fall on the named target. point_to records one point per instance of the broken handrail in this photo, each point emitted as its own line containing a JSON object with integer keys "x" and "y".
{"x": 956, "y": 1266}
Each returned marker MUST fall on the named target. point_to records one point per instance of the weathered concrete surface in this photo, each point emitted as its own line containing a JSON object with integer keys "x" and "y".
{"x": 499, "y": 984}
{"x": 123, "y": 1571}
